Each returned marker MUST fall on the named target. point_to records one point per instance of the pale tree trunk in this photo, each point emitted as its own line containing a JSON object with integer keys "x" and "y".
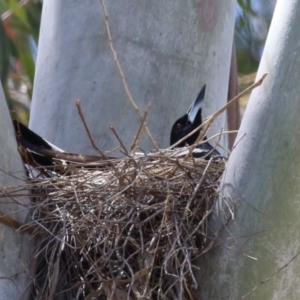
{"x": 263, "y": 179}
{"x": 15, "y": 247}
{"x": 167, "y": 50}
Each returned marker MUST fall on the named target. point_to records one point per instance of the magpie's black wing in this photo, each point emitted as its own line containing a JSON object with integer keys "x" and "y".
{"x": 43, "y": 152}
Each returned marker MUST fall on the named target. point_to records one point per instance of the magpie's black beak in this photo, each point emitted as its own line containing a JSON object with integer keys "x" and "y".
{"x": 187, "y": 123}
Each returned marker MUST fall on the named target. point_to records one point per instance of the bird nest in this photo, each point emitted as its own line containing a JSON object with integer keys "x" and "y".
{"x": 123, "y": 229}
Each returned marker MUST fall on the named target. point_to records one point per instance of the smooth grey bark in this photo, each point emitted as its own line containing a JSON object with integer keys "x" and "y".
{"x": 263, "y": 179}
{"x": 15, "y": 247}
{"x": 167, "y": 50}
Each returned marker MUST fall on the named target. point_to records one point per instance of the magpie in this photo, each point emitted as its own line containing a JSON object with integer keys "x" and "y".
{"x": 186, "y": 124}
{"x": 37, "y": 151}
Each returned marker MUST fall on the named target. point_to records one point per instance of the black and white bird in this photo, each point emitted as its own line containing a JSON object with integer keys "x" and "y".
{"x": 186, "y": 124}
{"x": 37, "y": 151}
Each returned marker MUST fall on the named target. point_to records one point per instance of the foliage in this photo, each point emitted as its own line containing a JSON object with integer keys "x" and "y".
{"x": 19, "y": 31}
{"x": 252, "y": 24}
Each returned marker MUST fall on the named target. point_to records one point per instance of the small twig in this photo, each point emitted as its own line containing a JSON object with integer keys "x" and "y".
{"x": 122, "y": 145}
{"x": 9, "y": 221}
{"x": 238, "y": 141}
{"x": 115, "y": 56}
{"x": 214, "y": 148}
{"x": 153, "y": 142}
{"x": 78, "y": 104}
{"x": 270, "y": 277}
{"x": 203, "y": 219}
{"x": 248, "y": 89}
{"x": 187, "y": 208}
{"x": 219, "y": 145}
{"x": 54, "y": 278}
{"x": 119, "y": 139}
{"x": 140, "y": 130}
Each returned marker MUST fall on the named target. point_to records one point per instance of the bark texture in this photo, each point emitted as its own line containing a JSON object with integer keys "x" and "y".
{"x": 167, "y": 50}
{"x": 263, "y": 180}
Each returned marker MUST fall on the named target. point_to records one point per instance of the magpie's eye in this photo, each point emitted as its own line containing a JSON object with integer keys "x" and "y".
{"x": 178, "y": 126}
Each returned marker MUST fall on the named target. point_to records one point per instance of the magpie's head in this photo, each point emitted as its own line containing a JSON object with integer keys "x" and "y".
{"x": 186, "y": 124}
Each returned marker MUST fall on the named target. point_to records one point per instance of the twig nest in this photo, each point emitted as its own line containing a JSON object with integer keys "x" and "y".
{"x": 124, "y": 229}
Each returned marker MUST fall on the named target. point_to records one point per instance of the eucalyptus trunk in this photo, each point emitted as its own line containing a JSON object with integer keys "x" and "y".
{"x": 257, "y": 252}
{"x": 168, "y": 50}
{"x": 15, "y": 247}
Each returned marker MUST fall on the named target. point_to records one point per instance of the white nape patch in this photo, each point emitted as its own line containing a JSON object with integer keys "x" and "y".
{"x": 185, "y": 151}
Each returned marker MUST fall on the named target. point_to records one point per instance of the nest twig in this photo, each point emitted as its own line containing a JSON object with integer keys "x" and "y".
{"x": 130, "y": 230}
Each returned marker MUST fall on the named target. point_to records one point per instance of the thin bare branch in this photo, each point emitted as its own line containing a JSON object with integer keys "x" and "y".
{"x": 78, "y": 105}
{"x": 115, "y": 56}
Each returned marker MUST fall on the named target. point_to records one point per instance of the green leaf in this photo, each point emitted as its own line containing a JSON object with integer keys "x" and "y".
{"x": 28, "y": 63}
{"x": 5, "y": 50}
{"x": 18, "y": 10}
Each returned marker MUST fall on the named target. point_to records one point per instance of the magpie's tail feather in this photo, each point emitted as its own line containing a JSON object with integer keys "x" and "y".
{"x": 36, "y": 151}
